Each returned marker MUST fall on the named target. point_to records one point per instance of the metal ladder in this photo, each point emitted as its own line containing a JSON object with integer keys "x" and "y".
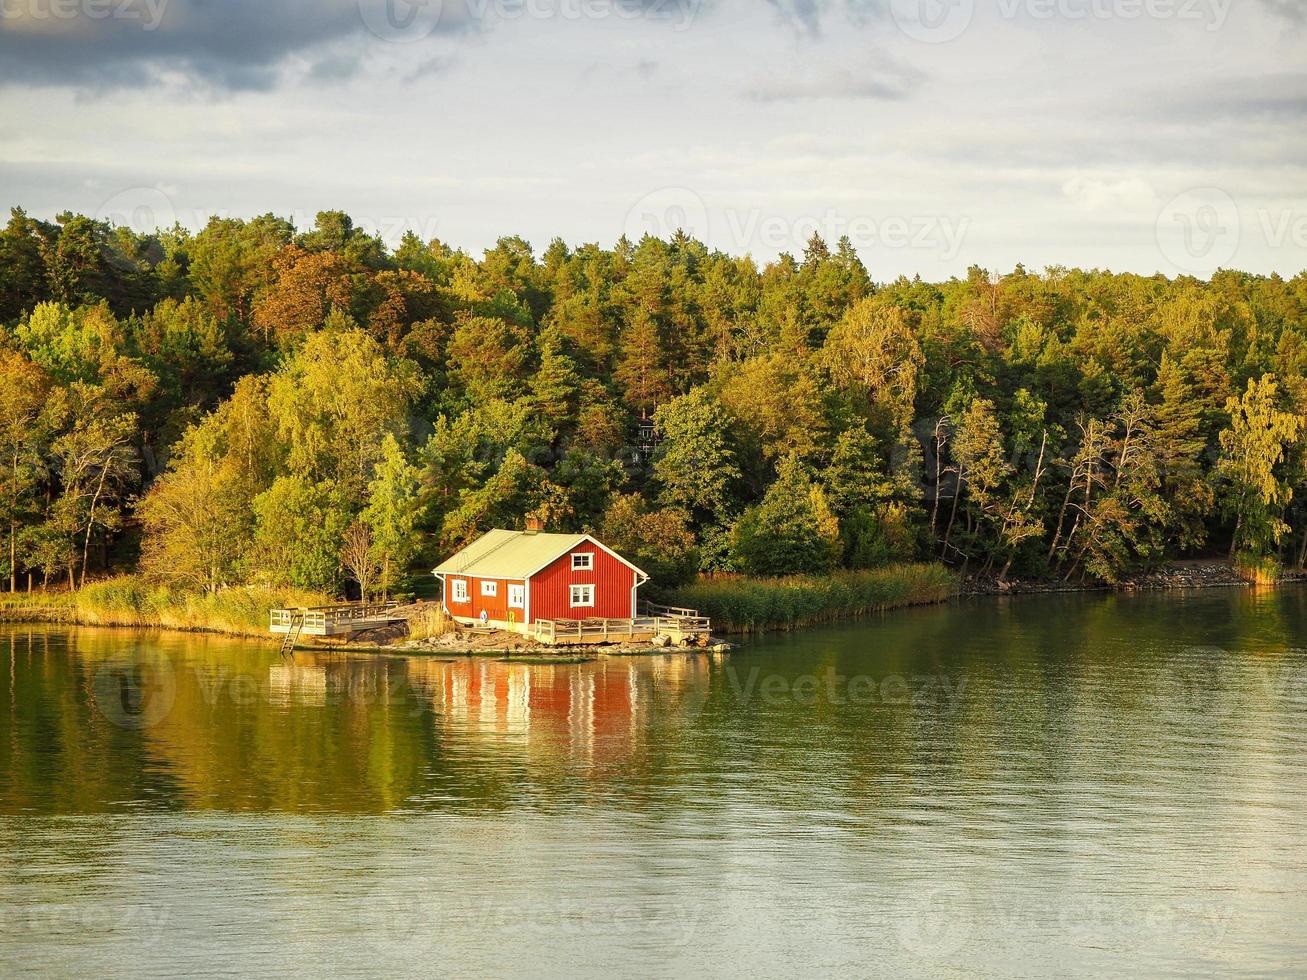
{"x": 293, "y": 633}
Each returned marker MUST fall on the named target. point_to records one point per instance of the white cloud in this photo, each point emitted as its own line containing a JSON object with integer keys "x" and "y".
{"x": 1056, "y": 142}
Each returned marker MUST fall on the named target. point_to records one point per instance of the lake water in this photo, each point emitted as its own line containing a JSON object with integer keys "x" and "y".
{"x": 1046, "y": 784}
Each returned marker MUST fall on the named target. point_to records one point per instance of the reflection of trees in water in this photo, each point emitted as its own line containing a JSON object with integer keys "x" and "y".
{"x": 1042, "y": 689}
{"x": 243, "y": 729}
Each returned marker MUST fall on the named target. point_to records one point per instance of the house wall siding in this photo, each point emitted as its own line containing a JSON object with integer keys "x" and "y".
{"x": 495, "y": 606}
{"x": 613, "y": 581}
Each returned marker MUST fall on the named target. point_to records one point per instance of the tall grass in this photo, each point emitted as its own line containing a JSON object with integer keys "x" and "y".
{"x": 1260, "y": 570}
{"x": 129, "y": 600}
{"x": 429, "y": 622}
{"x": 748, "y": 605}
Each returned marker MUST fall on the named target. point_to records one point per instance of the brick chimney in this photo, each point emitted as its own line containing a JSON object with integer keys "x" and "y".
{"x": 534, "y": 525}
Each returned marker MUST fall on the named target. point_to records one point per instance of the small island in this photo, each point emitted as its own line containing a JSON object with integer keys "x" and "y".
{"x": 200, "y": 427}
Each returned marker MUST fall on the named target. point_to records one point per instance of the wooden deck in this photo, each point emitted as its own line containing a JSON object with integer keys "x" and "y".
{"x": 677, "y": 624}
{"x": 334, "y": 620}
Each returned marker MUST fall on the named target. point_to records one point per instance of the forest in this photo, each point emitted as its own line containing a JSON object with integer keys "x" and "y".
{"x": 259, "y": 404}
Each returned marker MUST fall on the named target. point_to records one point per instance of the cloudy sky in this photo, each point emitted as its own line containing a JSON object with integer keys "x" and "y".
{"x": 1139, "y": 135}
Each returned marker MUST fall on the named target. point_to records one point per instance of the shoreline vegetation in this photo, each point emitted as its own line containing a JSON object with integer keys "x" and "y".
{"x": 311, "y": 411}
{"x": 753, "y": 605}
{"x": 737, "y": 605}
{"x": 131, "y": 601}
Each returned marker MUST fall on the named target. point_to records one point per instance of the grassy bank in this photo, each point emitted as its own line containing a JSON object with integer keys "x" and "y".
{"x": 748, "y": 605}
{"x": 129, "y": 600}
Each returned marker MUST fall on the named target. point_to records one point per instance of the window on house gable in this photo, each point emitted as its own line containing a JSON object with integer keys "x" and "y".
{"x": 583, "y": 562}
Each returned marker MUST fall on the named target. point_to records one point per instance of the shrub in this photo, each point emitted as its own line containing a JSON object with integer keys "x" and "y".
{"x": 1258, "y": 570}
{"x": 429, "y": 622}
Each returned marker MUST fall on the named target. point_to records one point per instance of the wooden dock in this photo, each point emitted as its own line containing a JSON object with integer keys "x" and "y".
{"x": 352, "y": 617}
{"x": 678, "y": 625}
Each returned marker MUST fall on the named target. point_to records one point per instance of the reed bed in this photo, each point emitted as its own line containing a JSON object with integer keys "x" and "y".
{"x": 129, "y": 600}
{"x": 751, "y": 605}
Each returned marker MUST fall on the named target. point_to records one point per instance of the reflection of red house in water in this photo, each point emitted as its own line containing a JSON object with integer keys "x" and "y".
{"x": 553, "y": 702}
{"x": 595, "y": 713}
{"x": 510, "y": 579}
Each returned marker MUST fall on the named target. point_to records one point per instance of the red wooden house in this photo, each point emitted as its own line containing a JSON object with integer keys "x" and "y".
{"x": 511, "y": 579}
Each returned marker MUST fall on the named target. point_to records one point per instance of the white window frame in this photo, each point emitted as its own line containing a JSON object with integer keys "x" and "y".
{"x": 458, "y": 590}
{"x": 489, "y": 588}
{"x": 588, "y": 594}
{"x": 517, "y": 597}
{"x": 583, "y": 561}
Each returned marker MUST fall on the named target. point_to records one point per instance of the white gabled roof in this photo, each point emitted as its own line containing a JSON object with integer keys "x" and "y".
{"x": 516, "y": 554}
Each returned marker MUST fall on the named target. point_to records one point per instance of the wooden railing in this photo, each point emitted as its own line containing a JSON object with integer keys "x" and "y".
{"x": 553, "y": 630}
{"x": 675, "y": 612}
{"x": 317, "y": 619}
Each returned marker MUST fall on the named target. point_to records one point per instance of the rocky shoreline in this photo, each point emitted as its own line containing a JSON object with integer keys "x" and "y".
{"x": 464, "y": 643}
{"x": 1193, "y": 574}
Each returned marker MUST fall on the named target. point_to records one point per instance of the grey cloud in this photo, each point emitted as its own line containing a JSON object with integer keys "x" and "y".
{"x": 807, "y": 13}
{"x": 887, "y": 79}
{"x": 1293, "y": 10}
{"x": 236, "y": 44}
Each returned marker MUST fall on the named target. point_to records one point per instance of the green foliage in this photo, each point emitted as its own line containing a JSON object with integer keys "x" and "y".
{"x": 660, "y": 542}
{"x": 695, "y": 465}
{"x": 226, "y": 404}
{"x": 392, "y": 512}
{"x": 300, "y": 527}
{"x": 748, "y": 605}
{"x": 1253, "y": 451}
{"x": 792, "y": 530}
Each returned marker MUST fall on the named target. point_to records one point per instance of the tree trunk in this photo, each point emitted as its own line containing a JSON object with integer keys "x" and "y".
{"x": 939, "y": 453}
{"x": 90, "y": 519}
{"x": 957, "y": 493}
{"x": 1061, "y": 517}
{"x": 13, "y": 529}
